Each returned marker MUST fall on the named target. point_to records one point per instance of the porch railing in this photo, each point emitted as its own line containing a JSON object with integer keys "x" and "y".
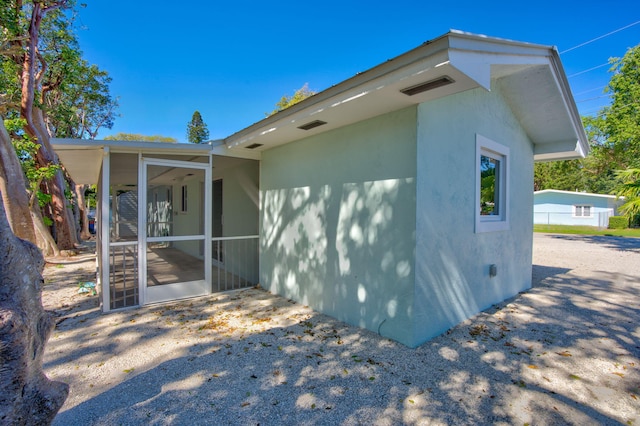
{"x": 123, "y": 274}
{"x": 234, "y": 262}
{"x": 234, "y": 266}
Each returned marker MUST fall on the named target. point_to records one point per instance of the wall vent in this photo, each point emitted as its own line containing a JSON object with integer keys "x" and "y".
{"x": 429, "y": 85}
{"x": 254, "y": 146}
{"x": 312, "y": 124}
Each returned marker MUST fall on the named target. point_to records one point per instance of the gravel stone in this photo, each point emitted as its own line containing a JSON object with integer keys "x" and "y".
{"x": 565, "y": 352}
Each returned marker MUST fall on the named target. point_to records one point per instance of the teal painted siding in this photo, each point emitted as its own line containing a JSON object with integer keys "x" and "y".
{"x": 452, "y": 260}
{"x": 338, "y": 222}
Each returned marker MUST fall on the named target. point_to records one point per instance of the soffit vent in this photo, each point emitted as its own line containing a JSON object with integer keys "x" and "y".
{"x": 429, "y": 85}
{"x": 312, "y": 124}
{"x": 254, "y": 146}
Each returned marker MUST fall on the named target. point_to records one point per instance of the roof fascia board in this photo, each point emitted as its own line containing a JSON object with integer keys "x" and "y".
{"x": 570, "y": 104}
{"x": 225, "y": 151}
{"x": 588, "y": 194}
{"x": 301, "y": 114}
{"x": 345, "y": 89}
{"x": 130, "y": 146}
{"x": 461, "y": 40}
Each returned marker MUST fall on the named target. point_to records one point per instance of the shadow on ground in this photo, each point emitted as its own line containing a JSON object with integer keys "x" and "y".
{"x": 616, "y": 243}
{"x": 564, "y": 353}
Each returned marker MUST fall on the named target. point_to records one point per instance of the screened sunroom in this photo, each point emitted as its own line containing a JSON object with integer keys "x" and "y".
{"x": 173, "y": 221}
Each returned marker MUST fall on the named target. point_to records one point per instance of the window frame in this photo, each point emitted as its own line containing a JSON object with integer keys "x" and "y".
{"x": 582, "y": 207}
{"x": 489, "y": 148}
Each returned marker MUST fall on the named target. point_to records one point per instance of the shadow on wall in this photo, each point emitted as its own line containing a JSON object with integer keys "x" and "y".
{"x": 346, "y": 250}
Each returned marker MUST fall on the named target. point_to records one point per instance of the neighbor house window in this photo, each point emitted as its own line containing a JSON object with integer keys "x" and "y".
{"x": 582, "y": 211}
{"x": 183, "y": 204}
{"x": 492, "y": 179}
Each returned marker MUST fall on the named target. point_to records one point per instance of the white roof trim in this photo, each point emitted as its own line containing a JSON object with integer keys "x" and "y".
{"x": 471, "y": 61}
{"x": 587, "y": 194}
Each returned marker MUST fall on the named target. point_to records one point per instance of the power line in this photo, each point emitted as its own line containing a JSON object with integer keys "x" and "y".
{"x": 594, "y": 98}
{"x": 610, "y": 110}
{"x": 601, "y": 37}
{"x": 590, "y": 69}
{"x": 590, "y": 90}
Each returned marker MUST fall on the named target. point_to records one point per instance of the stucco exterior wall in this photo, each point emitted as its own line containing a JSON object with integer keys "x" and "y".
{"x": 240, "y": 198}
{"x": 338, "y": 222}
{"x": 191, "y": 221}
{"x": 557, "y": 208}
{"x": 452, "y": 260}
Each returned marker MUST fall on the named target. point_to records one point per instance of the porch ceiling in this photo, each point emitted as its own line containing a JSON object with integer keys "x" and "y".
{"x": 83, "y": 158}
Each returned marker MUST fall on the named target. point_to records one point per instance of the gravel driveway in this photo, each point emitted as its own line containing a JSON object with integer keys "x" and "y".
{"x": 565, "y": 352}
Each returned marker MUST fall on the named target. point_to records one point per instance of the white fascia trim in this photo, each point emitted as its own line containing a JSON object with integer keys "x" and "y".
{"x": 587, "y": 194}
{"x": 224, "y": 151}
{"x": 582, "y": 145}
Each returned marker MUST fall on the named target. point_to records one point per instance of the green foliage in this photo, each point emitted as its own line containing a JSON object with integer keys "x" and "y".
{"x": 138, "y": 137}
{"x": 614, "y": 136}
{"x": 286, "y": 101}
{"x": 562, "y": 175}
{"x": 618, "y": 222}
{"x": 26, "y": 150}
{"x": 487, "y": 186}
{"x": 622, "y": 119}
{"x": 75, "y": 94}
{"x": 90, "y": 196}
{"x": 629, "y": 188}
{"x": 197, "y": 131}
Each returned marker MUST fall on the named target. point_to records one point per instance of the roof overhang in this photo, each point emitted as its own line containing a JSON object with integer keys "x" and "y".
{"x": 83, "y": 158}
{"x": 530, "y": 76}
{"x": 585, "y": 194}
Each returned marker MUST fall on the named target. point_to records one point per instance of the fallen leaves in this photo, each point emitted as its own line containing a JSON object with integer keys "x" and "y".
{"x": 477, "y": 330}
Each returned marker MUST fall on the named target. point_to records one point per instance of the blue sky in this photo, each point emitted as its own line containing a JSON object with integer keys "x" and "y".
{"x": 232, "y": 61}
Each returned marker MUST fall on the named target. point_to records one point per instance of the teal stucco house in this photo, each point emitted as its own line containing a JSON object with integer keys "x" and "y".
{"x": 399, "y": 200}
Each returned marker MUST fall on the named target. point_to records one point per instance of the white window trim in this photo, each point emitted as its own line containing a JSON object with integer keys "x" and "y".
{"x": 575, "y": 208}
{"x": 487, "y": 147}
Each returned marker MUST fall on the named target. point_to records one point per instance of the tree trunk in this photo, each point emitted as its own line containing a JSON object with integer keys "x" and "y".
{"x": 62, "y": 213}
{"x": 14, "y": 189}
{"x": 84, "y": 214}
{"x": 36, "y": 128}
{"x": 25, "y": 219}
{"x": 27, "y": 396}
{"x": 45, "y": 240}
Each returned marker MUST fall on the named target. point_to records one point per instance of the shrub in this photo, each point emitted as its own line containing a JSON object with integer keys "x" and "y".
{"x": 618, "y": 222}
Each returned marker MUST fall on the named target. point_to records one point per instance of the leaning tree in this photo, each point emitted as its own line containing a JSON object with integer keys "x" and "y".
{"x": 27, "y": 396}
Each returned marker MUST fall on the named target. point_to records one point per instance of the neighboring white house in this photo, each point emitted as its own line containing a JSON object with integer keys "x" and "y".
{"x": 398, "y": 200}
{"x": 554, "y": 207}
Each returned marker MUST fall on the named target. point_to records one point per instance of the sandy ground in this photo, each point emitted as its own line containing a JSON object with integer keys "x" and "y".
{"x": 565, "y": 352}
